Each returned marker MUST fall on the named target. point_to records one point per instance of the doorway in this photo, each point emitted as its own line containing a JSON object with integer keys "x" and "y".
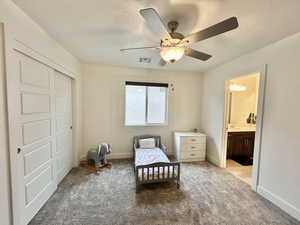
{"x": 242, "y": 126}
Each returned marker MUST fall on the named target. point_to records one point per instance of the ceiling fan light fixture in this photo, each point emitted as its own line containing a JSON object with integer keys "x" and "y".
{"x": 172, "y": 54}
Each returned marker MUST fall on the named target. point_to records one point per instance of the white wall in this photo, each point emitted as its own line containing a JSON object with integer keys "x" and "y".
{"x": 279, "y": 178}
{"x": 103, "y": 103}
{"x": 25, "y": 30}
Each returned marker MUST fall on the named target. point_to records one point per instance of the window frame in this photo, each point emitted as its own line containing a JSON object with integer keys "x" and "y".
{"x": 148, "y": 84}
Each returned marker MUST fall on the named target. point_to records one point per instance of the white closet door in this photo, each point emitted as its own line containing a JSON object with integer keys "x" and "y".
{"x": 63, "y": 124}
{"x": 40, "y": 118}
{"x": 32, "y": 142}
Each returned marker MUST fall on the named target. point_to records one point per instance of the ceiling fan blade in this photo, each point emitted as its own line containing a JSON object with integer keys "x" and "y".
{"x": 196, "y": 54}
{"x": 139, "y": 48}
{"x": 162, "y": 62}
{"x": 155, "y": 22}
{"x": 219, "y": 28}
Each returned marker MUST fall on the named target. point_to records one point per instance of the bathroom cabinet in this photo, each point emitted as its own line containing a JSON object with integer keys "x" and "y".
{"x": 240, "y": 146}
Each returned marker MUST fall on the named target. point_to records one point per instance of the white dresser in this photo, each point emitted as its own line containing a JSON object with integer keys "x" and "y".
{"x": 189, "y": 146}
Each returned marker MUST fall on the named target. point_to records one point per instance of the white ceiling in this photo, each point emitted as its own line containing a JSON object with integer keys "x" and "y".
{"x": 95, "y": 30}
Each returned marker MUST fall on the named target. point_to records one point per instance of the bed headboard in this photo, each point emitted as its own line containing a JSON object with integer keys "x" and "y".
{"x": 137, "y": 138}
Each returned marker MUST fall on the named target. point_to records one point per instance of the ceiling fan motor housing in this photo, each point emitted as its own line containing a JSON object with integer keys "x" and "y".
{"x": 173, "y": 25}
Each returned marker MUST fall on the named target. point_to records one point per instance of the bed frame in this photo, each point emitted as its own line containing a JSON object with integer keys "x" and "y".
{"x": 172, "y": 173}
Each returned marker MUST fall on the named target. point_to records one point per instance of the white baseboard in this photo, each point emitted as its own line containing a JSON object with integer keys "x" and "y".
{"x": 126, "y": 155}
{"x": 213, "y": 160}
{"x": 284, "y": 205}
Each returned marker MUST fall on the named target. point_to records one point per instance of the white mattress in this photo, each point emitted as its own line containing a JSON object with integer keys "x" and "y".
{"x": 148, "y": 156}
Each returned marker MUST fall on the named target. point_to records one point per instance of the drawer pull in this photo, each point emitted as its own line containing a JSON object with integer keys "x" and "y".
{"x": 192, "y": 154}
{"x": 193, "y": 139}
{"x": 193, "y": 147}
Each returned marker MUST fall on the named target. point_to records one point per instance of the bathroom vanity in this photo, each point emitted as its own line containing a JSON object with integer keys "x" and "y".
{"x": 240, "y": 146}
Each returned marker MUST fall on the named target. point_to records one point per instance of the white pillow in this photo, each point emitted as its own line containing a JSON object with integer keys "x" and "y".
{"x": 147, "y": 143}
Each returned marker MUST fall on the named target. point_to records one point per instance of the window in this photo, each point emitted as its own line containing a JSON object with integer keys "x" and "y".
{"x": 146, "y": 103}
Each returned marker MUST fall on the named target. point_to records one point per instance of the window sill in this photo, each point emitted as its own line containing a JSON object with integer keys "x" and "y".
{"x": 148, "y": 125}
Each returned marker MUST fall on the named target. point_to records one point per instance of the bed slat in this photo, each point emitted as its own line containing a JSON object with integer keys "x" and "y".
{"x": 153, "y": 175}
{"x": 143, "y": 174}
{"x": 173, "y": 175}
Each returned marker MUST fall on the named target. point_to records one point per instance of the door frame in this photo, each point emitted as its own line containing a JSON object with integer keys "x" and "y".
{"x": 262, "y": 70}
{"x": 11, "y": 45}
{"x": 5, "y": 195}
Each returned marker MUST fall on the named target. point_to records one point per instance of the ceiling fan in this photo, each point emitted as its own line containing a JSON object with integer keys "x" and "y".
{"x": 174, "y": 45}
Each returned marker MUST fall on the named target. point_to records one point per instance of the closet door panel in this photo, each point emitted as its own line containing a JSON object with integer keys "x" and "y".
{"x": 30, "y": 108}
{"x": 63, "y": 124}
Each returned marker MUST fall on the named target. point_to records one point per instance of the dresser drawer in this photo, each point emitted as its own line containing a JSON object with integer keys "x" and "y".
{"x": 192, "y": 155}
{"x": 192, "y": 140}
{"x": 185, "y": 147}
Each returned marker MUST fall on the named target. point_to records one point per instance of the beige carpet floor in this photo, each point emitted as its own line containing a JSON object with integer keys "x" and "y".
{"x": 208, "y": 195}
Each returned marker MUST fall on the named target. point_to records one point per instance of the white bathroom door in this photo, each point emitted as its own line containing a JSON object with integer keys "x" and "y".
{"x": 63, "y": 124}
{"x": 40, "y": 135}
